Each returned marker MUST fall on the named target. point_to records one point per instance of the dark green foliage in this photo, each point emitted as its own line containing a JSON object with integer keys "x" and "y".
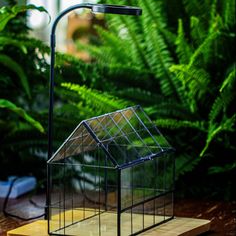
{"x": 22, "y": 123}
{"x": 24, "y": 80}
{"x": 188, "y": 84}
{"x": 23, "y": 97}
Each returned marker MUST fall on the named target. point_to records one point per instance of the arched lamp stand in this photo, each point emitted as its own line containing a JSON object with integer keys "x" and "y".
{"x": 95, "y": 8}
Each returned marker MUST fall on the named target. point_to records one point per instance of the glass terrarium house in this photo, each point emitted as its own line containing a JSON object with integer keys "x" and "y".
{"x": 114, "y": 175}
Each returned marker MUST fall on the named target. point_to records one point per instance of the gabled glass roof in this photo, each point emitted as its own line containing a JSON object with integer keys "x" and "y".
{"x": 126, "y": 136}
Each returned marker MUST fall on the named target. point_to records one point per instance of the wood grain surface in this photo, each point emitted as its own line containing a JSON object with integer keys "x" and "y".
{"x": 221, "y": 214}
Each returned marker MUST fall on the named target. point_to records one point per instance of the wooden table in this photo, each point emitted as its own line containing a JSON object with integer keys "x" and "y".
{"x": 179, "y": 226}
{"x": 222, "y": 215}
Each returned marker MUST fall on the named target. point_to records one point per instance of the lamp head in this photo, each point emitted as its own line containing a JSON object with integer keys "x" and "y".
{"x": 116, "y": 9}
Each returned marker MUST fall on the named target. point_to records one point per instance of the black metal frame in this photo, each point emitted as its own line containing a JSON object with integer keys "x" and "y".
{"x": 90, "y": 135}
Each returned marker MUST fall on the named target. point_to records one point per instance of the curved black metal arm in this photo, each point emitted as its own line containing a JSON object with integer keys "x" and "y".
{"x": 51, "y": 95}
{"x": 52, "y": 64}
{"x": 102, "y": 8}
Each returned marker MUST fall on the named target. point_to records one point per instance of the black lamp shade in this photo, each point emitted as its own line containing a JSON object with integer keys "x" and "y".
{"x": 116, "y": 9}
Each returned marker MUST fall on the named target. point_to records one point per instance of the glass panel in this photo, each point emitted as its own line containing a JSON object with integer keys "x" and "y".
{"x": 54, "y": 222}
{"x": 159, "y": 168}
{"x": 126, "y": 188}
{"x": 139, "y": 180}
{"x": 126, "y": 130}
{"x": 82, "y": 197}
{"x": 159, "y": 210}
{"x": 169, "y": 206}
{"x": 126, "y": 223}
{"x": 137, "y": 218}
{"x": 149, "y": 213}
{"x": 169, "y": 173}
{"x": 159, "y": 138}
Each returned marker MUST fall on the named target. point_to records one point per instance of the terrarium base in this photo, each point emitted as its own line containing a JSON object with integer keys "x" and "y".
{"x": 177, "y": 226}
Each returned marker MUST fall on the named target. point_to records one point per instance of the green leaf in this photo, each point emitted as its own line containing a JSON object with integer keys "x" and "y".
{"x": 5, "y": 16}
{"x": 198, "y": 32}
{"x": 194, "y": 83}
{"x": 103, "y": 102}
{"x": 226, "y": 125}
{"x": 5, "y": 40}
{"x": 222, "y": 169}
{"x": 229, "y": 13}
{"x": 230, "y": 79}
{"x": 15, "y": 67}
{"x": 185, "y": 163}
{"x": 183, "y": 50}
{"x": 6, "y": 104}
{"x": 7, "y": 13}
{"x": 216, "y": 108}
{"x": 203, "y": 49}
{"x": 179, "y": 124}
{"x": 197, "y": 7}
{"x": 223, "y": 100}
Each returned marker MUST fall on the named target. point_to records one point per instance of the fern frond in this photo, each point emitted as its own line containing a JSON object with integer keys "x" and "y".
{"x": 105, "y": 54}
{"x": 197, "y": 8}
{"x": 198, "y": 32}
{"x": 228, "y": 13}
{"x": 222, "y": 169}
{"x": 153, "y": 10}
{"x": 101, "y": 101}
{"x": 183, "y": 50}
{"x": 194, "y": 82}
{"x": 119, "y": 52}
{"x": 229, "y": 81}
{"x": 225, "y": 97}
{"x": 167, "y": 108}
{"x": 157, "y": 50}
{"x": 226, "y": 125}
{"x": 220, "y": 104}
{"x": 129, "y": 29}
{"x": 84, "y": 72}
{"x": 159, "y": 57}
{"x": 140, "y": 96}
{"x": 136, "y": 45}
{"x": 213, "y": 13}
{"x": 203, "y": 49}
{"x": 35, "y": 44}
{"x": 185, "y": 163}
{"x": 216, "y": 109}
{"x": 179, "y": 124}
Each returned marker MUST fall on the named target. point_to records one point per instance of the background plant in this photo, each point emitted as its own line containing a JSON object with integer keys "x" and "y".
{"x": 181, "y": 68}
{"x": 24, "y": 95}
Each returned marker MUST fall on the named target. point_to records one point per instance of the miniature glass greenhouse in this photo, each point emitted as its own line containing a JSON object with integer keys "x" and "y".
{"x": 114, "y": 175}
